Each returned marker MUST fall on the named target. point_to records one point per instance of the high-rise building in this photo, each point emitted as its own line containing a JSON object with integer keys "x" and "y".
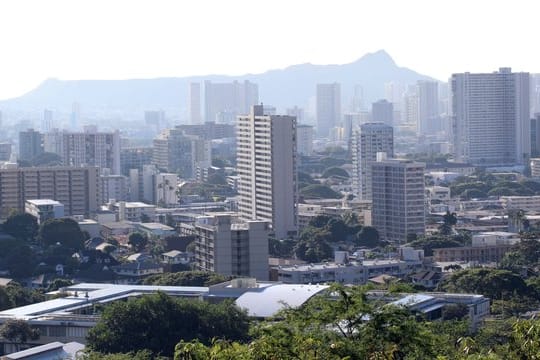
{"x": 535, "y": 135}
{"x": 209, "y": 130}
{"x": 398, "y": 198}
{"x": 75, "y": 117}
{"x": 113, "y": 187}
{"x": 89, "y": 148}
{"x": 30, "y": 144}
{"x": 155, "y": 119}
{"x": 195, "y": 103}
{"x": 134, "y": 158}
{"x": 266, "y": 165}
{"x": 370, "y": 139}
{"x": 429, "y": 121}
{"x": 328, "y": 108}
{"x": 47, "y": 124}
{"x": 490, "y": 118}
{"x": 304, "y": 139}
{"x": 297, "y": 112}
{"x": 228, "y": 246}
{"x": 235, "y": 98}
{"x": 5, "y": 151}
{"x": 78, "y": 188}
{"x": 179, "y": 153}
{"x": 382, "y": 111}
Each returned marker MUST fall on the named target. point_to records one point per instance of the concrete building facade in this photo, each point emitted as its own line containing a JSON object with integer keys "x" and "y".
{"x": 267, "y": 166}
{"x": 88, "y": 148}
{"x": 398, "y": 199}
{"x": 328, "y": 108}
{"x": 490, "y": 118}
{"x": 78, "y": 188}
{"x": 370, "y": 139}
{"x": 230, "y": 247}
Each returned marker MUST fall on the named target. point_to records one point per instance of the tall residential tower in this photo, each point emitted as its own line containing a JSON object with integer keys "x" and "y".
{"x": 266, "y": 164}
{"x": 490, "y": 118}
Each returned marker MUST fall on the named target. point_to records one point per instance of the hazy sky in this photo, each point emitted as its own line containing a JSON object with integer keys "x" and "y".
{"x": 117, "y": 39}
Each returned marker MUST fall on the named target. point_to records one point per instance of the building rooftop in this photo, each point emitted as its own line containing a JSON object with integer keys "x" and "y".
{"x": 156, "y": 226}
{"x": 39, "y": 202}
{"x": 267, "y": 301}
{"x": 54, "y": 350}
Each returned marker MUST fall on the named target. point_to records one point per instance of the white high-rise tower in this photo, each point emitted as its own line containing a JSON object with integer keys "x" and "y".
{"x": 266, "y": 164}
{"x": 490, "y": 118}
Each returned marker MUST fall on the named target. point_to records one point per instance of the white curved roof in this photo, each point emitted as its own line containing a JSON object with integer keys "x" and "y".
{"x": 269, "y": 300}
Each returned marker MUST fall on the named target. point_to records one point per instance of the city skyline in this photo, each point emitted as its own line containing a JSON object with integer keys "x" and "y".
{"x": 141, "y": 39}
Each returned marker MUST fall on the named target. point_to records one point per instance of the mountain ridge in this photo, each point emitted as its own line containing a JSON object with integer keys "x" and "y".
{"x": 370, "y": 71}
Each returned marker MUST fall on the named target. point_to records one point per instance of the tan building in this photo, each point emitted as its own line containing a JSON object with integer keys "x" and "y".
{"x": 75, "y": 187}
{"x": 489, "y": 253}
{"x": 230, "y": 247}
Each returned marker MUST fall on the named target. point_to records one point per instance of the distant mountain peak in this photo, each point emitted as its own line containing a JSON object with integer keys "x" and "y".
{"x": 379, "y": 56}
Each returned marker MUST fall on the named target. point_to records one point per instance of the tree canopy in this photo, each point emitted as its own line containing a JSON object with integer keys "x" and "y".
{"x": 21, "y": 226}
{"x": 157, "y": 322}
{"x": 186, "y": 278}
{"x": 64, "y": 231}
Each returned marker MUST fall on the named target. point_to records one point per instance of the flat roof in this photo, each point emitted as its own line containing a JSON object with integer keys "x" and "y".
{"x": 39, "y": 202}
{"x": 267, "y": 301}
{"x": 156, "y": 226}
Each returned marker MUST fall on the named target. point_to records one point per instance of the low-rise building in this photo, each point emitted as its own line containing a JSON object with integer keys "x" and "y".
{"x": 486, "y": 247}
{"x": 154, "y": 229}
{"x": 347, "y": 272}
{"x": 228, "y": 246}
{"x": 44, "y": 209}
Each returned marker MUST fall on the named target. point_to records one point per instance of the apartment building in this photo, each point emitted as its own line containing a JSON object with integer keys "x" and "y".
{"x": 229, "y": 246}
{"x": 398, "y": 199}
{"x": 266, "y": 164}
{"x": 78, "y": 188}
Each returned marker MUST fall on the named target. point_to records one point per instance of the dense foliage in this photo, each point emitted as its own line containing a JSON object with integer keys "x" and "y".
{"x": 186, "y": 278}
{"x": 157, "y": 322}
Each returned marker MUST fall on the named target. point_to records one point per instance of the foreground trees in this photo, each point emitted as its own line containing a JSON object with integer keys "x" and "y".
{"x": 157, "y": 322}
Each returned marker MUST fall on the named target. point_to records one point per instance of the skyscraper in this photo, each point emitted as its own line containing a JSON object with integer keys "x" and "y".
{"x": 47, "y": 124}
{"x": 30, "y": 144}
{"x": 89, "y": 148}
{"x": 429, "y": 121}
{"x": 490, "y": 118}
{"x": 398, "y": 198}
{"x": 266, "y": 164}
{"x": 370, "y": 139}
{"x": 235, "y": 98}
{"x": 195, "y": 103}
{"x": 382, "y": 111}
{"x": 328, "y": 107}
{"x": 179, "y": 153}
{"x": 75, "y": 117}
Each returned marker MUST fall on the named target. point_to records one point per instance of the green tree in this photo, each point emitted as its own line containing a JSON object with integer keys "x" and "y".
{"x": 21, "y": 226}
{"x": 313, "y": 245}
{"x": 138, "y": 241}
{"x": 157, "y": 322}
{"x": 338, "y": 324}
{"x": 281, "y": 248}
{"x": 59, "y": 283}
{"x": 319, "y": 191}
{"x": 493, "y": 283}
{"x": 18, "y": 332}
{"x": 186, "y": 278}
{"x": 64, "y": 231}
{"x": 449, "y": 221}
{"x": 368, "y": 236}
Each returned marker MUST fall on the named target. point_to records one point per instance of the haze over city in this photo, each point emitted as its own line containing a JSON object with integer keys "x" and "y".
{"x": 265, "y": 180}
{"x": 142, "y": 39}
